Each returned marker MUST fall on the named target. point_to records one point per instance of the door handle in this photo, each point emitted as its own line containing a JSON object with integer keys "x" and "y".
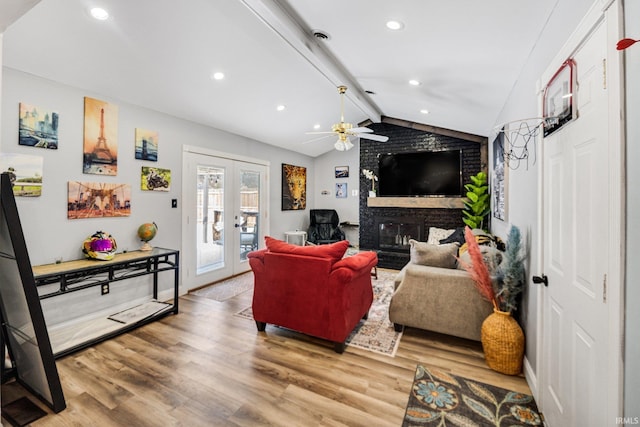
{"x": 541, "y": 279}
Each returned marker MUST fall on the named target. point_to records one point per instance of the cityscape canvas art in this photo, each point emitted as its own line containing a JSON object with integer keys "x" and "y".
{"x": 146, "y": 145}
{"x": 100, "y": 152}
{"x": 98, "y": 200}
{"x": 38, "y": 127}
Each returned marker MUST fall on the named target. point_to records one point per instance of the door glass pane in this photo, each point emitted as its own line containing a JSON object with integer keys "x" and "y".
{"x": 210, "y": 218}
{"x": 249, "y": 212}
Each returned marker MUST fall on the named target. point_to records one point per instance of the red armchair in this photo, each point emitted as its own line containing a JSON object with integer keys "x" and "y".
{"x": 312, "y": 289}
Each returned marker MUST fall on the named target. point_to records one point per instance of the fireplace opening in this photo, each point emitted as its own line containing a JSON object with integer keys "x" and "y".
{"x": 393, "y": 234}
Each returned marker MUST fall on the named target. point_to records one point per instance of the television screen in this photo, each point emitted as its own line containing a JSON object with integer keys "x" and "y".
{"x": 427, "y": 173}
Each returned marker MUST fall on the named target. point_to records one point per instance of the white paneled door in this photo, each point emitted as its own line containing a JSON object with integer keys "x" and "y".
{"x": 224, "y": 211}
{"x": 577, "y": 360}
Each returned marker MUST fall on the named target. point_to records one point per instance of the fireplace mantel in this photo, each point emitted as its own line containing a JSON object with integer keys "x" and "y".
{"x": 416, "y": 202}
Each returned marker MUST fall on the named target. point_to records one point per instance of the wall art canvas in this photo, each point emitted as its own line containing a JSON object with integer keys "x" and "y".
{"x": 341, "y": 190}
{"x": 100, "y": 137}
{"x": 499, "y": 178}
{"x": 294, "y": 187}
{"x": 25, "y": 173}
{"x": 98, "y": 200}
{"x": 155, "y": 179}
{"x": 146, "y": 145}
{"x": 38, "y": 127}
{"x": 342, "y": 172}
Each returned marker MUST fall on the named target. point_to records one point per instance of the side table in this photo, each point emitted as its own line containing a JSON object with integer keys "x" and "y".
{"x": 296, "y": 237}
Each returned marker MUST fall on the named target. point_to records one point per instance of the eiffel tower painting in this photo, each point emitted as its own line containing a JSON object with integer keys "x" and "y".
{"x": 100, "y": 137}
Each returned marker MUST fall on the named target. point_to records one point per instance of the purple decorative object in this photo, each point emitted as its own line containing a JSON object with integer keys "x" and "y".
{"x": 100, "y": 245}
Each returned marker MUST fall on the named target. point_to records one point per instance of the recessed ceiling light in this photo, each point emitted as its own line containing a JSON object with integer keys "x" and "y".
{"x": 414, "y": 82}
{"x": 424, "y": 111}
{"x": 217, "y": 76}
{"x": 316, "y": 126}
{"x": 99, "y": 13}
{"x": 280, "y": 107}
{"x": 395, "y": 25}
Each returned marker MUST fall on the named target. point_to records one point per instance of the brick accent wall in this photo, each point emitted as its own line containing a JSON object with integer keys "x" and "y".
{"x": 406, "y": 139}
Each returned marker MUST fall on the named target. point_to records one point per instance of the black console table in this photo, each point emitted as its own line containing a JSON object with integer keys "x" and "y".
{"x": 55, "y": 280}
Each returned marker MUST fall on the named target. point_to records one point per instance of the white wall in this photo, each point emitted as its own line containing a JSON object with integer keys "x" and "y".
{"x": 632, "y": 289}
{"x": 523, "y": 182}
{"x": 324, "y": 180}
{"x": 49, "y": 233}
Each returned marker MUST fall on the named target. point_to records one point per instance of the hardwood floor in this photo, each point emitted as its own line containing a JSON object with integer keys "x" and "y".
{"x": 207, "y": 367}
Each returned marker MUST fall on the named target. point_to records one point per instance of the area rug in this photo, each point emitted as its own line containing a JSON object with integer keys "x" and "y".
{"x": 227, "y": 289}
{"x": 375, "y": 334}
{"x": 440, "y": 399}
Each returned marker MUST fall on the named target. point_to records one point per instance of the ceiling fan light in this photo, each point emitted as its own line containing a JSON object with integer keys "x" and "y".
{"x": 348, "y": 145}
{"x": 340, "y": 146}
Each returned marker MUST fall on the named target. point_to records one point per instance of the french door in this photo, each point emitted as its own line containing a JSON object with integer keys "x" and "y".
{"x": 224, "y": 215}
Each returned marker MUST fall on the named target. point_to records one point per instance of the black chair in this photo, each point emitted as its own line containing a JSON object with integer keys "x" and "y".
{"x": 249, "y": 232}
{"x": 324, "y": 227}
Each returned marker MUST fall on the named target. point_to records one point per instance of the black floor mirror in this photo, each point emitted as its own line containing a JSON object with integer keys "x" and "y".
{"x": 24, "y": 331}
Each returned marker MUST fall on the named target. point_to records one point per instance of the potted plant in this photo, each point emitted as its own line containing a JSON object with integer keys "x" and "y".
{"x": 477, "y": 205}
{"x": 371, "y": 176}
{"x": 501, "y": 335}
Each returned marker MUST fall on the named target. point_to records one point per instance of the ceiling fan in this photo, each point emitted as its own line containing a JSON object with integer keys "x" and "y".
{"x": 345, "y": 130}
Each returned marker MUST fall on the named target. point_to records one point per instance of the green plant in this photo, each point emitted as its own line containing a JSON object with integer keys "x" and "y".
{"x": 476, "y": 207}
{"x": 504, "y": 288}
{"x": 511, "y": 275}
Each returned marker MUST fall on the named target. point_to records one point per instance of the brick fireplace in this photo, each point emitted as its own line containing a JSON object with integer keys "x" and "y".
{"x": 386, "y": 224}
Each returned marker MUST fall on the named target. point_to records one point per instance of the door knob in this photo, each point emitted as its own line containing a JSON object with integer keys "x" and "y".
{"x": 541, "y": 279}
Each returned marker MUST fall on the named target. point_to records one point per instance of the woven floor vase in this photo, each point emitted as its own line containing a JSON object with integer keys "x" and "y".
{"x": 503, "y": 343}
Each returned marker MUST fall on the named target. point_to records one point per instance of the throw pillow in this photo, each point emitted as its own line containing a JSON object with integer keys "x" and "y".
{"x": 484, "y": 239}
{"x": 334, "y": 251}
{"x": 443, "y": 256}
{"x": 456, "y": 237}
{"x": 436, "y": 234}
{"x": 491, "y": 256}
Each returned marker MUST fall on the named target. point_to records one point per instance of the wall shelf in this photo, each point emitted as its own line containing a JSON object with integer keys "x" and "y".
{"x": 416, "y": 202}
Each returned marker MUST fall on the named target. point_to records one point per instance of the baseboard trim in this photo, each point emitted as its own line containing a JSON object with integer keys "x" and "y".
{"x": 532, "y": 379}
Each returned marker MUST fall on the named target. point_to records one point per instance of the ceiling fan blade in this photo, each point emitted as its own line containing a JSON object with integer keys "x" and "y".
{"x": 361, "y": 130}
{"x": 374, "y": 137}
{"x": 319, "y": 133}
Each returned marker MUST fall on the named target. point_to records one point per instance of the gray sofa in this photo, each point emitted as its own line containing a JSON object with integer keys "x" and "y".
{"x": 432, "y": 293}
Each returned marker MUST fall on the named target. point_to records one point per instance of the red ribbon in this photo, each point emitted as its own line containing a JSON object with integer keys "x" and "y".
{"x": 625, "y": 43}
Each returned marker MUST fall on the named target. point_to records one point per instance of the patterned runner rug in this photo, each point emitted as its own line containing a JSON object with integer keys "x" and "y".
{"x": 441, "y": 399}
{"x": 376, "y": 333}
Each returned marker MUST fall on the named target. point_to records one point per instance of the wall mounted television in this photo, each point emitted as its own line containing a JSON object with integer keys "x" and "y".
{"x": 420, "y": 174}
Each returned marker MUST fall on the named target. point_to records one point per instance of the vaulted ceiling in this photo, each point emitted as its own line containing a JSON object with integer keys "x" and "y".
{"x": 162, "y": 54}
